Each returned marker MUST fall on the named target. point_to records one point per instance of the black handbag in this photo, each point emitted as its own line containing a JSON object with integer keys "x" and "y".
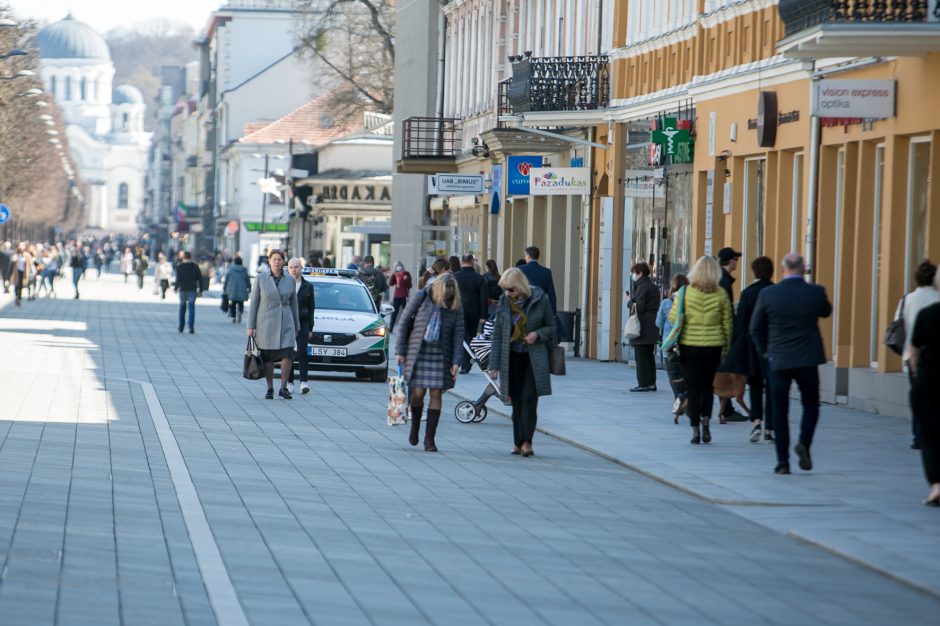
{"x": 895, "y": 336}
{"x": 556, "y": 363}
{"x": 225, "y": 304}
{"x": 253, "y": 368}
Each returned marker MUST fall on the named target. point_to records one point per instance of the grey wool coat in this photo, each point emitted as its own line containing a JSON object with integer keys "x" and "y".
{"x": 273, "y": 312}
{"x": 414, "y": 322}
{"x": 237, "y": 284}
{"x": 539, "y": 319}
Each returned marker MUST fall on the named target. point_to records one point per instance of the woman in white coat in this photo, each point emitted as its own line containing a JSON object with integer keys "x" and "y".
{"x": 273, "y": 320}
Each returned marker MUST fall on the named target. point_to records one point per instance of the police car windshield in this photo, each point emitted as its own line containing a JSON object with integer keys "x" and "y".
{"x": 350, "y": 296}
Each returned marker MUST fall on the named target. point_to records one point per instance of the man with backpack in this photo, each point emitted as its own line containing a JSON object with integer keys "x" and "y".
{"x": 373, "y": 279}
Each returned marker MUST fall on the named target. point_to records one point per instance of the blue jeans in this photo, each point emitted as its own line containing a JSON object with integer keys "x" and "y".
{"x": 807, "y": 379}
{"x": 187, "y": 301}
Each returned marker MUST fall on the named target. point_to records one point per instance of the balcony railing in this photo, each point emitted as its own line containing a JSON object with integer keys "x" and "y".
{"x": 558, "y": 84}
{"x": 430, "y": 138}
{"x": 799, "y": 15}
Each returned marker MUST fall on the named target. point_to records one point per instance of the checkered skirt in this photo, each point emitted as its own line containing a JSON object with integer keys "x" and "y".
{"x": 429, "y": 367}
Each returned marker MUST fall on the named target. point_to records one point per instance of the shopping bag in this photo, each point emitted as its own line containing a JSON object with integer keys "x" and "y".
{"x": 397, "y": 399}
{"x": 896, "y": 335}
{"x": 253, "y": 367}
{"x": 632, "y": 329}
{"x": 556, "y": 364}
{"x": 225, "y": 303}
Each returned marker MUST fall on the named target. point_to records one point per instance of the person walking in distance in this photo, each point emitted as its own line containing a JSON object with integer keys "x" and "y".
{"x": 188, "y": 285}
{"x": 306, "y": 306}
{"x": 237, "y": 286}
{"x": 923, "y": 295}
{"x": 540, "y": 276}
{"x": 644, "y": 301}
{"x": 77, "y": 263}
{"x": 273, "y": 320}
{"x": 401, "y": 281}
{"x": 671, "y": 359}
{"x": 523, "y": 333}
{"x": 163, "y": 274}
{"x": 705, "y": 338}
{"x": 374, "y": 279}
{"x": 140, "y": 266}
{"x": 785, "y": 331}
{"x": 925, "y": 393}
{"x": 493, "y": 291}
{"x": 429, "y": 345}
{"x": 127, "y": 263}
{"x": 21, "y": 269}
{"x": 728, "y": 259}
{"x": 473, "y": 296}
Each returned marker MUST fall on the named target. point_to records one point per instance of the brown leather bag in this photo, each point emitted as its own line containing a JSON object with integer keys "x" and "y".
{"x": 556, "y": 358}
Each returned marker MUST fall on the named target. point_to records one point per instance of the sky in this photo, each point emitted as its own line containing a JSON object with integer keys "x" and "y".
{"x": 103, "y": 15}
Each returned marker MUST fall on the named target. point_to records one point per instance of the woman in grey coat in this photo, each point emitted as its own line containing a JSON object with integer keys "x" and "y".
{"x": 523, "y": 337}
{"x": 236, "y": 286}
{"x": 430, "y": 347}
{"x": 273, "y": 320}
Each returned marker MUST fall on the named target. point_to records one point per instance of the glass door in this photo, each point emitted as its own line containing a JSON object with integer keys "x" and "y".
{"x": 754, "y": 189}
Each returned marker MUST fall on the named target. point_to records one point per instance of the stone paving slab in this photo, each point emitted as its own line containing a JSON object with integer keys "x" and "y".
{"x": 322, "y": 514}
{"x": 861, "y": 501}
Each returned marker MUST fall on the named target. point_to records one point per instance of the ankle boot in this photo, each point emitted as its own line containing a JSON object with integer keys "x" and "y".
{"x": 238, "y": 318}
{"x": 434, "y": 416}
{"x": 416, "y": 410}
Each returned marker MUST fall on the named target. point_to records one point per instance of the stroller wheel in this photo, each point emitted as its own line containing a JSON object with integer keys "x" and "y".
{"x": 464, "y": 412}
{"x": 481, "y": 415}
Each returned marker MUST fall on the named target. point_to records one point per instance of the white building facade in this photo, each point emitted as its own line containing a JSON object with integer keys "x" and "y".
{"x": 105, "y": 128}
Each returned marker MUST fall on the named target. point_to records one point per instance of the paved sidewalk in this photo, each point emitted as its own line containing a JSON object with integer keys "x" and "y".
{"x": 143, "y": 481}
{"x": 862, "y": 499}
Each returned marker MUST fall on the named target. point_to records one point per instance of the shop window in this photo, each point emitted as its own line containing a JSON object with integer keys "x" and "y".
{"x": 67, "y": 91}
{"x": 875, "y": 330}
{"x": 796, "y": 205}
{"x": 917, "y": 184}
{"x": 122, "y": 196}
{"x": 754, "y": 191}
{"x": 52, "y": 86}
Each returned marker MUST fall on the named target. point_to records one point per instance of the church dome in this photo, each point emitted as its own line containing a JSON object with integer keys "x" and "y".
{"x": 71, "y": 39}
{"x": 127, "y": 94}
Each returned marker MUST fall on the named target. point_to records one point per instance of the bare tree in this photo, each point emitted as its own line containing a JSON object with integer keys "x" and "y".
{"x": 355, "y": 41}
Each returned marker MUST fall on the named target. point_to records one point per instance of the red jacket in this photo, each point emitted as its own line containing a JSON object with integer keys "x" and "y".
{"x": 402, "y": 283}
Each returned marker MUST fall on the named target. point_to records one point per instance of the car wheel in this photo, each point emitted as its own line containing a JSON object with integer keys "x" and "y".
{"x": 379, "y": 376}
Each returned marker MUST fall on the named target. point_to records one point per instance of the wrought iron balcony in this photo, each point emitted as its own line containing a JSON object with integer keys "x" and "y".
{"x": 836, "y": 28}
{"x": 430, "y": 138}
{"x": 556, "y": 84}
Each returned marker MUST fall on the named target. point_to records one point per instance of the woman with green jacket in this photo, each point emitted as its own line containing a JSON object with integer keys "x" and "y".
{"x": 705, "y": 340}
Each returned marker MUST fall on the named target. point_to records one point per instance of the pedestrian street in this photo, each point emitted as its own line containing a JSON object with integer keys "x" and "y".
{"x": 144, "y": 481}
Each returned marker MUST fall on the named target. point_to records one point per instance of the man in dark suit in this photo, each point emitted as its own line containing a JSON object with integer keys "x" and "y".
{"x": 785, "y": 330}
{"x": 541, "y": 277}
{"x": 475, "y": 301}
{"x": 306, "y": 306}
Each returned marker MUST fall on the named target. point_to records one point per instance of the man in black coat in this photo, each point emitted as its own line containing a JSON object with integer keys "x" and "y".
{"x": 189, "y": 285}
{"x": 541, "y": 277}
{"x": 475, "y": 302}
{"x": 728, "y": 259}
{"x": 306, "y": 306}
{"x": 785, "y": 330}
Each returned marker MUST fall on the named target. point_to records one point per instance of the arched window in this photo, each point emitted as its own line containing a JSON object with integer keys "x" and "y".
{"x": 67, "y": 95}
{"x": 52, "y": 85}
{"x": 122, "y": 196}
{"x": 83, "y": 90}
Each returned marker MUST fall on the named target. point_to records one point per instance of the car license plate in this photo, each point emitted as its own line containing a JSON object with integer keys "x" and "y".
{"x": 320, "y": 351}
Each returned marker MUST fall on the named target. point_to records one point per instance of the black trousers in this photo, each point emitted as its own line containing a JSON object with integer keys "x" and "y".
{"x": 807, "y": 379}
{"x": 164, "y": 286}
{"x": 915, "y": 425}
{"x": 398, "y": 304}
{"x": 761, "y": 402}
{"x": 645, "y": 365}
{"x": 673, "y": 371}
{"x": 525, "y": 398}
{"x": 698, "y": 366}
{"x": 235, "y": 307}
{"x": 925, "y": 404}
{"x": 303, "y": 359}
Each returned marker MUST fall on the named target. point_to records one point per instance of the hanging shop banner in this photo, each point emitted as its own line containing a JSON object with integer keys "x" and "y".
{"x": 642, "y": 184}
{"x": 864, "y": 99}
{"x": 559, "y": 181}
{"x": 517, "y": 176}
{"x": 496, "y": 186}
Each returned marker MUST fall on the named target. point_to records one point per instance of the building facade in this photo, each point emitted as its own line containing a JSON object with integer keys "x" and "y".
{"x": 105, "y": 128}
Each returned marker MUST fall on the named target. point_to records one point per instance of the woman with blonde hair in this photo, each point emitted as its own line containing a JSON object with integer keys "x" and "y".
{"x": 429, "y": 349}
{"x": 273, "y": 320}
{"x": 523, "y": 335}
{"x": 705, "y": 339}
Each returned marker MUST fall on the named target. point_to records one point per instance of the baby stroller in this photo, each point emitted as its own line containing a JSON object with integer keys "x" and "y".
{"x": 479, "y": 351}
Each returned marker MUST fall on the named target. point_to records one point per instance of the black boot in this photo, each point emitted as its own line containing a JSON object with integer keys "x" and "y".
{"x": 434, "y": 416}
{"x": 416, "y": 410}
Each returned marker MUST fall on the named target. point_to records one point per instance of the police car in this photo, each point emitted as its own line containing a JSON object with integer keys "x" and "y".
{"x": 349, "y": 334}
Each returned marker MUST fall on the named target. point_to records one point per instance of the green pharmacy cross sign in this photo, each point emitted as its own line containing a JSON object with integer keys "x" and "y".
{"x": 675, "y": 141}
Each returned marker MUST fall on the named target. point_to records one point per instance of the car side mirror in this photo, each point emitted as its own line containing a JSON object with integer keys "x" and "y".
{"x": 386, "y": 310}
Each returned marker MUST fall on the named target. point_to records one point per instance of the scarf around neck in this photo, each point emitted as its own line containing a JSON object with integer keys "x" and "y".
{"x": 517, "y": 308}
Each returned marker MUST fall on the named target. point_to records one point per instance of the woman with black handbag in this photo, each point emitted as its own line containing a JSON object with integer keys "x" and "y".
{"x": 273, "y": 320}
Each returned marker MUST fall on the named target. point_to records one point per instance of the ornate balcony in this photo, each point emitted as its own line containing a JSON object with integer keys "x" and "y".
{"x": 429, "y": 145}
{"x": 857, "y": 28}
{"x": 556, "y": 84}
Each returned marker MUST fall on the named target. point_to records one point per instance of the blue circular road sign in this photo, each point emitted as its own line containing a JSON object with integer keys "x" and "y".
{"x": 4, "y": 213}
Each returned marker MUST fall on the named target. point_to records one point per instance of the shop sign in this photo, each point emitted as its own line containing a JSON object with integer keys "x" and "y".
{"x": 255, "y": 227}
{"x": 560, "y": 181}
{"x": 518, "y": 174}
{"x": 352, "y": 191}
{"x": 496, "y": 188}
{"x": 642, "y": 184}
{"x": 855, "y": 98}
{"x": 446, "y": 184}
{"x": 672, "y": 138}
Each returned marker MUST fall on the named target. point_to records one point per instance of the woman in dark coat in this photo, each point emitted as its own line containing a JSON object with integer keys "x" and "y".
{"x": 523, "y": 336}
{"x": 644, "y": 301}
{"x": 236, "y": 286}
{"x": 273, "y": 320}
{"x": 744, "y": 358}
{"x": 430, "y": 349}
